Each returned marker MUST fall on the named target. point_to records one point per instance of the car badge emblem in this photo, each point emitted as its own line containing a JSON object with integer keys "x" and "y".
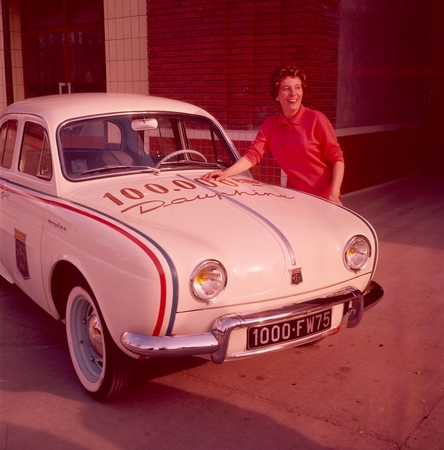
{"x": 296, "y": 276}
{"x": 21, "y": 256}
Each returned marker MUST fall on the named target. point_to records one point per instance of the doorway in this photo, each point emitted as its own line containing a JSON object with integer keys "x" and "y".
{"x": 63, "y": 46}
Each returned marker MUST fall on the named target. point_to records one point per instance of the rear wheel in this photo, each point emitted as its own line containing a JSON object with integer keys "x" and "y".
{"x": 103, "y": 369}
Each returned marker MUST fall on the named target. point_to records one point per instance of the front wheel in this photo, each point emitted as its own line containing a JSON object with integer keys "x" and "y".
{"x": 103, "y": 369}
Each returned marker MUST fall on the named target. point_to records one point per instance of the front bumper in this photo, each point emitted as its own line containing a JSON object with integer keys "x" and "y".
{"x": 216, "y": 342}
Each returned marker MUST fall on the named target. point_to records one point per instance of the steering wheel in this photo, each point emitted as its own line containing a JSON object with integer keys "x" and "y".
{"x": 180, "y": 152}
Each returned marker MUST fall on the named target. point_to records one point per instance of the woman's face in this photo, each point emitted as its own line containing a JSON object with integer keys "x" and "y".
{"x": 290, "y": 96}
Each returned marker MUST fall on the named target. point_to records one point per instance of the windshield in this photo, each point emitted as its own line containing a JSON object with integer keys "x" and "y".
{"x": 102, "y": 146}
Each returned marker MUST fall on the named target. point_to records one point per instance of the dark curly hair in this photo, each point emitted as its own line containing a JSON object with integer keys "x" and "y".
{"x": 283, "y": 72}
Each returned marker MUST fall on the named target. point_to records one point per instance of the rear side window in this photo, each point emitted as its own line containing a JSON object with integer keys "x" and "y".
{"x": 35, "y": 155}
{"x": 8, "y": 135}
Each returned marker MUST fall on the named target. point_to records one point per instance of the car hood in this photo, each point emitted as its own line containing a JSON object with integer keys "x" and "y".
{"x": 259, "y": 232}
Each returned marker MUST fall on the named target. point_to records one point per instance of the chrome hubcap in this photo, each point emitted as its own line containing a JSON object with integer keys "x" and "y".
{"x": 94, "y": 331}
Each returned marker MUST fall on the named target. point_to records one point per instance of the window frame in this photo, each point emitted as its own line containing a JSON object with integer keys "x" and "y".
{"x": 5, "y": 150}
{"x": 41, "y": 167}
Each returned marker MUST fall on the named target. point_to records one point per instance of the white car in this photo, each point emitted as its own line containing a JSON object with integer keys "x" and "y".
{"x": 107, "y": 224}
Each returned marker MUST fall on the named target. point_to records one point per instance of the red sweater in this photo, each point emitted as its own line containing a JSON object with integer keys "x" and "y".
{"x": 305, "y": 147}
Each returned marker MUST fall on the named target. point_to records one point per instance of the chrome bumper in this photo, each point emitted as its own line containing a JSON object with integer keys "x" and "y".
{"x": 216, "y": 342}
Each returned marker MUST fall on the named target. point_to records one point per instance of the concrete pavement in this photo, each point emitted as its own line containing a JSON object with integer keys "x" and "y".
{"x": 378, "y": 386}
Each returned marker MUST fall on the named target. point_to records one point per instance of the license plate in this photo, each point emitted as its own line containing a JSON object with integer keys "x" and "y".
{"x": 275, "y": 333}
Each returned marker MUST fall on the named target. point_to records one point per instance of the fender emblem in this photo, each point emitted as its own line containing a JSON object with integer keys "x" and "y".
{"x": 296, "y": 276}
{"x": 21, "y": 256}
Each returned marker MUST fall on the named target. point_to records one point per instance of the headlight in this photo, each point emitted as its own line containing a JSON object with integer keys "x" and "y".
{"x": 357, "y": 253}
{"x": 208, "y": 281}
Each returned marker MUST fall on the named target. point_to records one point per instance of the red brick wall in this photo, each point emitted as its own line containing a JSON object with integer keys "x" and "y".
{"x": 220, "y": 54}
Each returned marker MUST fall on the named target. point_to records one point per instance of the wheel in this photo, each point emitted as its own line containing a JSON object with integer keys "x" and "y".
{"x": 180, "y": 152}
{"x": 102, "y": 368}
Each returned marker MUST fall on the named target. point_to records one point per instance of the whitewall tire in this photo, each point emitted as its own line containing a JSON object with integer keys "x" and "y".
{"x": 102, "y": 368}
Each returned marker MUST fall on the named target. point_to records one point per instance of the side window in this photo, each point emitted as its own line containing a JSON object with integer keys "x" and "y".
{"x": 35, "y": 155}
{"x": 8, "y": 135}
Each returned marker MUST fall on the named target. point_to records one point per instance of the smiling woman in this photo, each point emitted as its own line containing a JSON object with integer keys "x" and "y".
{"x": 301, "y": 140}
{"x": 287, "y": 87}
{"x": 290, "y": 96}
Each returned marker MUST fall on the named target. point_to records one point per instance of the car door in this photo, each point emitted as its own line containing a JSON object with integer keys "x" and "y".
{"x": 24, "y": 200}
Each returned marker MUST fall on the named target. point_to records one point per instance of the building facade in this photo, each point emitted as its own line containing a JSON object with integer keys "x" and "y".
{"x": 373, "y": 67}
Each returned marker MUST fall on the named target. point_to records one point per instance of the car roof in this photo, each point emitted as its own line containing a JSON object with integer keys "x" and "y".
{"x": 58, "y": 108}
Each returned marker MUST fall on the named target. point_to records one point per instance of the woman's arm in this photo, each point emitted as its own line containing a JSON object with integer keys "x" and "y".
{"x": 239, "y": 166}
{"x": 338, "y": 176}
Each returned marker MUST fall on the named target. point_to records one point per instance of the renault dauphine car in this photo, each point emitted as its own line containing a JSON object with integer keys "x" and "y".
{"x": 107, "y": 223}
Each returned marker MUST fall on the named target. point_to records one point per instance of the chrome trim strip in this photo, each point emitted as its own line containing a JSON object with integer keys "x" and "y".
{"x": 170, "y": 346}
{"x": 225, "y": 325}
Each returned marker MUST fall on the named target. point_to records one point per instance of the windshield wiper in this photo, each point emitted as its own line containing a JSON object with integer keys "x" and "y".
{"x": 168, "y": 165}
{"x": 116, "y": 167}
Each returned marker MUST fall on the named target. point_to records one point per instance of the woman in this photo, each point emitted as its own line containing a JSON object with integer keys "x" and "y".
{"x": 301, "y": 140}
